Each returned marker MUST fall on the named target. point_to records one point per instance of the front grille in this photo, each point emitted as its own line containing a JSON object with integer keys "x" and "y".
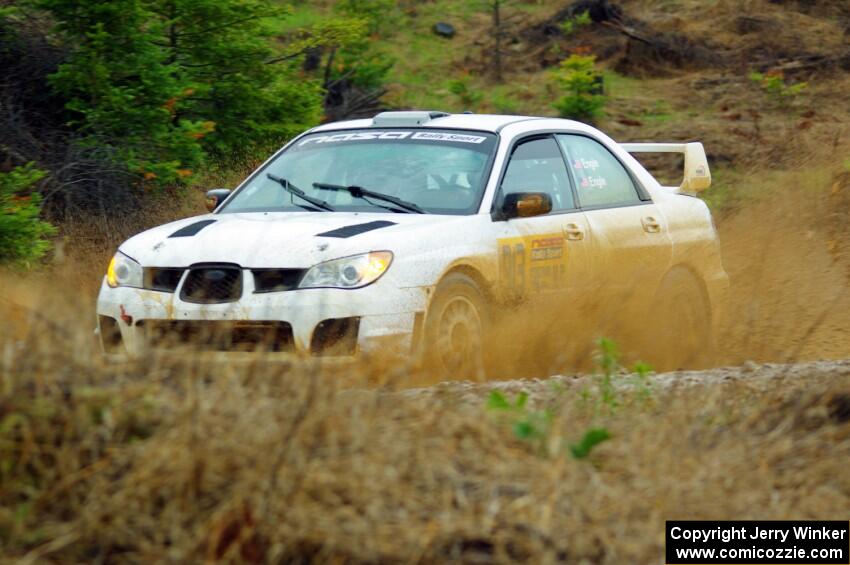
{"x": 219, "y": 335}
{"x": 276, "y": 280}
{"x": 212, "y": 284}
{"x": 162, "y": 279}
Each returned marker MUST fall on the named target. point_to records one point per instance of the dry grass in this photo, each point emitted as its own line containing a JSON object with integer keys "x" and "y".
{"x": 187, "y": 460}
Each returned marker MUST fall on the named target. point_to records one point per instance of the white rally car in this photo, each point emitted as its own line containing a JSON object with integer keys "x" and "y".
{"x": 406, "y": 231}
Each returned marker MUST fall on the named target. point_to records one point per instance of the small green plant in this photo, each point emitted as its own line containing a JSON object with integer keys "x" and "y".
{"x": 780, "y": 92}
{"x": 641, "y": 382}
{"x": 608, "y": 361}
{"x": 469, "y": 98}
{"x": 537, "y": 427}
{"x": 590, "y": 440}
{"x": 604, "y": 395}
{"x": 570, "y": 25}
{"x": 526, "y": 424}
{"x": 22, "y": 234}
{"x": 579, "y": 78}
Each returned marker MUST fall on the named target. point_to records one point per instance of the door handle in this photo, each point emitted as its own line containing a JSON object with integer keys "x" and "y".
{"x": 573, "y": 232}
{"x": 650, "y": 225}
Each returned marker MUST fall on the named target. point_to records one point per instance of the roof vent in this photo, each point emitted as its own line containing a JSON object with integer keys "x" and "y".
{"x": 405, "y": 119}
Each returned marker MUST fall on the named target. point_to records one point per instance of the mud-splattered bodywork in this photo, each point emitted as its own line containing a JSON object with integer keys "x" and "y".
{"x": 573, "y": 251}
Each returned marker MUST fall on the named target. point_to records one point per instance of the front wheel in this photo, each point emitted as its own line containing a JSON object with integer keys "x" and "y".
{"x": 455, "y": 329}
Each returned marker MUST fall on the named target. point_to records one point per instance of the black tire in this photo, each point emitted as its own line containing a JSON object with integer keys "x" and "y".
{"x": 683, "y": 318}
{"x": 456, "y": 327}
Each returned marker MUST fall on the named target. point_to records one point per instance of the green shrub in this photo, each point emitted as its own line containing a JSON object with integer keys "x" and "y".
{"x": 22, "y": 234}
{"x": 466, "y": 95}
{"x": 774, "y": 86}
{"x": 570, "y": 25}
{"x": 578, "y": 76}
{"x": 379, "y": 14}
{"x": 504, "y": 104}
{"x": 166, "y": 82}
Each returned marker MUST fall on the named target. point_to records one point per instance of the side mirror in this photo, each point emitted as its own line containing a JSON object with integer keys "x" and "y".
{"x": 215, "y": 197}
{"x": 525, "y": 205}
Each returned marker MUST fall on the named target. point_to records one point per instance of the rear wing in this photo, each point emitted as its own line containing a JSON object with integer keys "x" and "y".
{"x": 697, "y": 175}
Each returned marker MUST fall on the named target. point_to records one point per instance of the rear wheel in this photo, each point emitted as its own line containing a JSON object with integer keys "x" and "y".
{"x": 455, "y": 329}
{"x": 683, "y": 317}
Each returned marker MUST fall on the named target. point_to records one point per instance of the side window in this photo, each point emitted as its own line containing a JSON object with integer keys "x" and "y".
{"x": 538, "y": 166}
{"x": 600, "y": 178}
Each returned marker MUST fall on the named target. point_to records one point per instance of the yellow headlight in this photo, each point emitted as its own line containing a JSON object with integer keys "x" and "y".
{"x": 111, "y": 279}
{"x": 378, "y": 263}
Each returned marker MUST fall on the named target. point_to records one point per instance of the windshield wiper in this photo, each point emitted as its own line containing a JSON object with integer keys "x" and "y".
{"x": 292, "y": 189}
{"x": 360, "y": 192}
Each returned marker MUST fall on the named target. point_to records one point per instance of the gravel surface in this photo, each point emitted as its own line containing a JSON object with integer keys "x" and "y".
{"x": 757, "y": 375}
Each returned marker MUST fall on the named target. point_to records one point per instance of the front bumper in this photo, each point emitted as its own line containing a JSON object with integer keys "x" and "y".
{"x": 386, "y": 315}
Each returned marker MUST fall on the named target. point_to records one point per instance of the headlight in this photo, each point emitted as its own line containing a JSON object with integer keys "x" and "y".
{"x": 349, "y": 272}
{"x": 123, "y": 271}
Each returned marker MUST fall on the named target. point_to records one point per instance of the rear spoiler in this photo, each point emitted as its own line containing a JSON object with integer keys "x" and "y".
{"x": 697, "y": 175}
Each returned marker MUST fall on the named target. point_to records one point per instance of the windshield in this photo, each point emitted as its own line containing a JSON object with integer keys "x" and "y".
{"x": 437, "y": 171}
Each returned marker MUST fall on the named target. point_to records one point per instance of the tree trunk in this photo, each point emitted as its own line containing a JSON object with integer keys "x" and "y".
{"x": 497, "y": 32}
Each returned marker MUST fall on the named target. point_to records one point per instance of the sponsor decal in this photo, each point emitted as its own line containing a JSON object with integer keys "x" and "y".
{"x": 532, "y": 264}
{"x": 456, "y": 137}
{"x": 394, "y": 134}
{"x": 594, "y": 182}
{"x": 582, "y": 164}
{"x": 547, "y": 248}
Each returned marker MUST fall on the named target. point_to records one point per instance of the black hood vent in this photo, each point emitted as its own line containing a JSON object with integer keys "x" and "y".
{"x": 356, "y": 229}
{"x": 192, "y": 229}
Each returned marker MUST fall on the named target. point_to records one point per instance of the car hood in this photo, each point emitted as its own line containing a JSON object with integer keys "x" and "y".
{"x": 274, "y": 239}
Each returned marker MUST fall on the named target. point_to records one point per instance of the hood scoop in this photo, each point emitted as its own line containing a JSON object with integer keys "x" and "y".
{"x": 192, "y": 229}
{"x": 356, "y": 229}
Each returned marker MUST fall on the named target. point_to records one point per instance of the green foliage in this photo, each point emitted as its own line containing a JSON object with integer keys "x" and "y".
{"x": 355, "y": 68}
{"x": 591, "y": 439}
{"x": 22, "y": 234}
{"x": 167, "y": 81}
{"x": 537, "y": 427}
{"x": 604, "y": 397}
{"x": 378, "y": 14}
{"x": 526, "y": 424}
{"x": 498, "y": 401}
{"x": 578, "y": 76}
{"x": 774, "y": 86}
{"x": 466, "y": 95}
{"x": 7, "y": 12}
{"x": 504, "y": 104}
{"x": 641, "y": 382}
{"x": 360, "y": 63}
{"x": 608, "y": 361}
{"x": 570, "y": 25}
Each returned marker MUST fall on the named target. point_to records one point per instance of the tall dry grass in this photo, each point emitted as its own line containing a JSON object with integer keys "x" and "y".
{"x": 176, "y": 460}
